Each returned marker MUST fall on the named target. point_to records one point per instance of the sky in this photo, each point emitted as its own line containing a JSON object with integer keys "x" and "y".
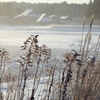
{"x": 49, "y": 1}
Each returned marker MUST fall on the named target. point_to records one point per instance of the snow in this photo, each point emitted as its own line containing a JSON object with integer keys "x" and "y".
{"x": 40, "y": 92}
{"x": 25, "y": 13}
{"x": 63, "y": 37}
{"x": 54, "y": 16}
{"x": 64, "y": 17}
{"x": 43, "y": 18}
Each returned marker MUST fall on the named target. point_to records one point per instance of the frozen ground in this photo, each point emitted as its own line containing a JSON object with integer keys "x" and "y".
{"x": 52, "y": 36}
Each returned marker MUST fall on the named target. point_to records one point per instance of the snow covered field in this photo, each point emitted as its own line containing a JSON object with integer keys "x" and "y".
{"x": 55, "y": 37}
{"x": 52, "y": 36}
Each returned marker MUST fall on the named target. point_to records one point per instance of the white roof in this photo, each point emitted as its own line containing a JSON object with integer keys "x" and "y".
{"x": 64, "y": 17}
{"x": 25, "y": 13}
{"x": 43, "y": 18}
{"x": 52, "y": 16}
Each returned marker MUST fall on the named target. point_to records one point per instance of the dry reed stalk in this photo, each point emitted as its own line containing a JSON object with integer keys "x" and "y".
{"x": 84, "y": 19}
{"x": 52, "y": 80}
{"x": 4, "y": 61}
{"x": 86, "y": 79}
{"x": 87, "y": 39}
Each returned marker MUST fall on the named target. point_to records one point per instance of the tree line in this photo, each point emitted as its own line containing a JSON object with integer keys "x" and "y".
{"x": 14, "y": 8}
{"x": 93, "y": 8}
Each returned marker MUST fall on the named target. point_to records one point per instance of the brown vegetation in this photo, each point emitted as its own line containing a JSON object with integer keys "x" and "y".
{"x": 74, "y": 77}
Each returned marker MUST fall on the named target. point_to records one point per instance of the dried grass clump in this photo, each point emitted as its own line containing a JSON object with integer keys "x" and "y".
{"x": 8, "y": 76}
{"x": 34, "y": 56}
{"x": 74, "y": 77}
{"x": 79, "y": 78}
{"x": 4, "y": 62}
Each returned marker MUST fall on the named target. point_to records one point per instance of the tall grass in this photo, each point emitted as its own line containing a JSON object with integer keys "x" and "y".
{"x": 74, "y": 77}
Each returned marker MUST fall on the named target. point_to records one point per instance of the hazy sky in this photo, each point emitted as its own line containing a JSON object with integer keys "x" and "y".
{"x": 49, "y": 1}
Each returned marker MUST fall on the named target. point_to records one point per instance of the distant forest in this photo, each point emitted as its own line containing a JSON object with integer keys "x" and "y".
{"x": 14, "y": 8}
